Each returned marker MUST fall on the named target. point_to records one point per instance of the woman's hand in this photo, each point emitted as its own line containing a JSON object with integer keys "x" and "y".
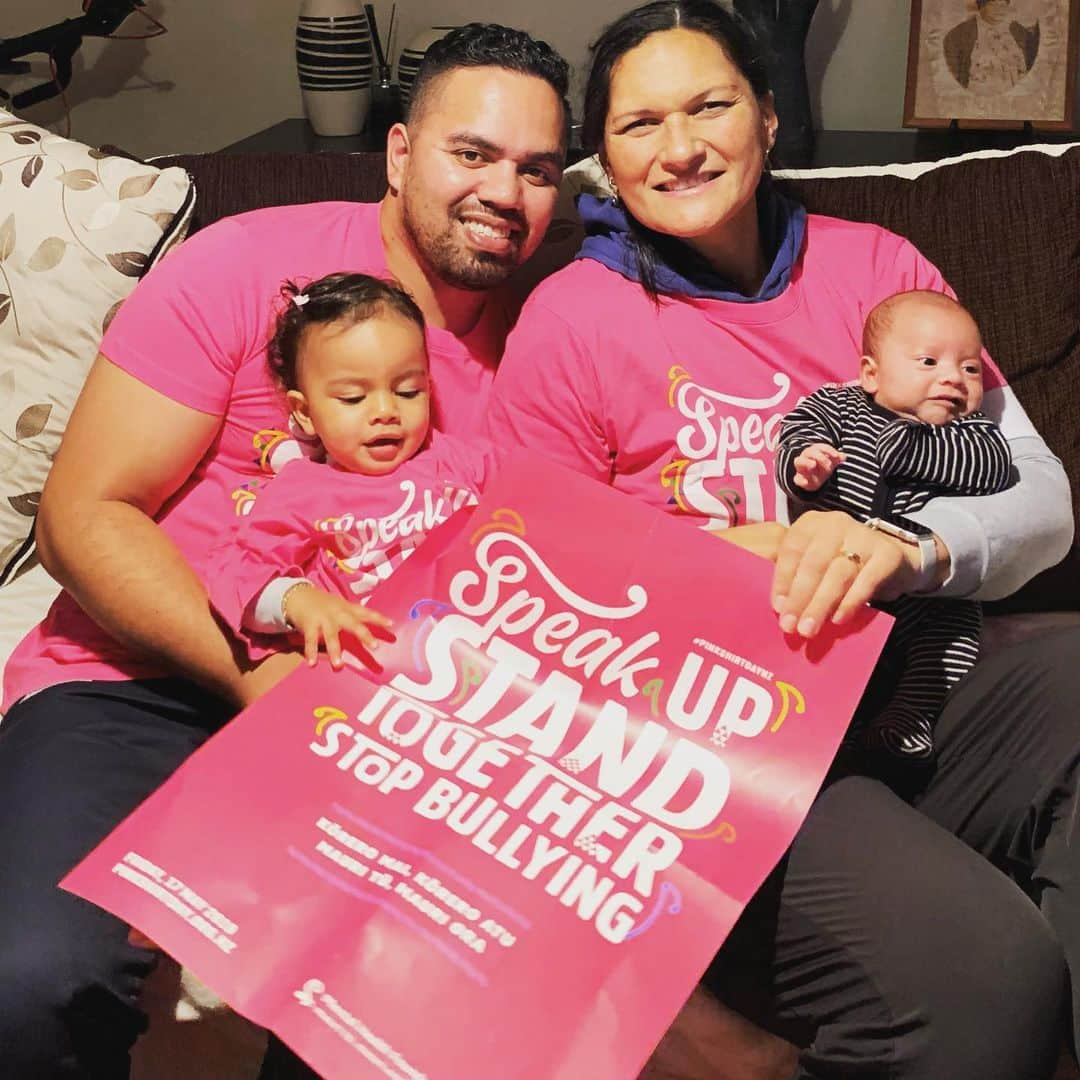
{"x": 761, "y": 538}
{"x": 828, "y": 566}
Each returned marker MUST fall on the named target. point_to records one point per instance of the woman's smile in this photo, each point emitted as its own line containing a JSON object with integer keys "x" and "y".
{"x": 688, "y": 185}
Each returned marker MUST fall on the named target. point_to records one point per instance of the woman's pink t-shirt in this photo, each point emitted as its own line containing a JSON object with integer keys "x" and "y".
{"x": 679, "y": 403}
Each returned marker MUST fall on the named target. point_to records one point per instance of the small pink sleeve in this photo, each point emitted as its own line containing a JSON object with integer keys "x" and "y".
{"x": 546, "y": 397}
{"x": 275, "y": 539}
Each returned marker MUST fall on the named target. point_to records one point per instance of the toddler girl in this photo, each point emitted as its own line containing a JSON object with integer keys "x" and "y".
{"x": 350, "y": 354}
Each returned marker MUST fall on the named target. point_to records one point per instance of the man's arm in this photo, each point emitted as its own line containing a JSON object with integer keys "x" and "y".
{"x": 126, "y": 449}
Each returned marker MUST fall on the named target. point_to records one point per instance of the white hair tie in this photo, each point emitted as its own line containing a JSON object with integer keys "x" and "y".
{"x": 300, "y": 299}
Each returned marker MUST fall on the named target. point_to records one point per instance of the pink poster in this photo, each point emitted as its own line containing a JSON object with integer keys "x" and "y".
{"x": 513, "y": 850}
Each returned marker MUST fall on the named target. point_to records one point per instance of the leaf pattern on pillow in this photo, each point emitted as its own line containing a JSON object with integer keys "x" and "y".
{"x": 32, "y": 420}
{"x": 48, "y": 254}
{"x": 109, "y": 316}
{"x": 8, "y": 552}
{"x": 32, "y": 169}
{"x": 7, "y": 246}
{"x": 131, "y": 263}
{"x": 134, "y": 186}
{"x": 7, "y": 237}
{"x": 27, "y": 504}
{"x": 78, "y": 179}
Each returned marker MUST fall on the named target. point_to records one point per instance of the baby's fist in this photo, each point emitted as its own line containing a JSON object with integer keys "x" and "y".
{"x": 815, "y": 465}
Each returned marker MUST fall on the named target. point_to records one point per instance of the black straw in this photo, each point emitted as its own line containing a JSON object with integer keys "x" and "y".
{"x": 369, "y": 11}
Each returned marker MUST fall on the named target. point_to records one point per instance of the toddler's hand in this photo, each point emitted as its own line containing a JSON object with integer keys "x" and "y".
{"x": 322, "y": 617}
{"x": 815, "y": 465}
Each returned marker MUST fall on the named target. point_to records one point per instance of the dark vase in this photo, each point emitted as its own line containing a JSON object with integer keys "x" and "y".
{"x": 783, "y": 26}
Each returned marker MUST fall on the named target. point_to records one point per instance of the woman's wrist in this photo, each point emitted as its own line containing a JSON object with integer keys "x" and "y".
{"x": 943, "y": 565}
{"x": 760, "y": 538}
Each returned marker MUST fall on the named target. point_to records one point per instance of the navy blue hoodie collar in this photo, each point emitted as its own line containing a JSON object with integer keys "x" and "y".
{"x": 681, "y": 270}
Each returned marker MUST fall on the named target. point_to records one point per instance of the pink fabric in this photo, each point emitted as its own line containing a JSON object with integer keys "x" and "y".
{"x": 344, "y": 531}
{"x": 679, "y": 404}
{"x": 195, "y": 330}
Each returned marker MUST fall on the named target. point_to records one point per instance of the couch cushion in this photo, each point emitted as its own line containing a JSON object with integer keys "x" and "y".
{"x": 235, "y": 183}
{"x": 78, "y": 227}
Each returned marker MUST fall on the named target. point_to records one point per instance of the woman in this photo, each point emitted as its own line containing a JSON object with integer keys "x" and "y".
{"x": 701, "y": 307}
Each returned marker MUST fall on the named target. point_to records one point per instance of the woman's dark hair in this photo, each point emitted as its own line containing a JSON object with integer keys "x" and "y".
{"x": 337, "y": 298}
{"x": 730, "y": 31}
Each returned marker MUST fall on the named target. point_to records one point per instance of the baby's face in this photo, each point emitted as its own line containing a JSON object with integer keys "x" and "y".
{"x": 928, "y": 364}
{"x": 364, "y": 391}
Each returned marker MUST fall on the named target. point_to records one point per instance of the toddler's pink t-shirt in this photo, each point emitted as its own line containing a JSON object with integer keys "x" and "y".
{"x": 679, "y": 403}
{"x": 343, "y": 531}
{"x": 195, "y": 329}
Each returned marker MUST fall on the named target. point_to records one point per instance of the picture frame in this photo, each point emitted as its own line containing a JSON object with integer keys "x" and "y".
{"x": 992, "y": 64}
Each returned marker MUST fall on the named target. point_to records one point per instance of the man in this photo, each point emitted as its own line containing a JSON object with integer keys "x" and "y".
{"x": 130, "y": 672}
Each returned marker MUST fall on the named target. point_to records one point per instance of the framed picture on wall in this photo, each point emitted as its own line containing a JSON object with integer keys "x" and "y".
{"x": 992, "y": 63}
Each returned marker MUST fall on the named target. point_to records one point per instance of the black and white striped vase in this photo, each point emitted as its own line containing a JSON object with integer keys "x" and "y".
{"x": 334, "y": 62}
{"x": 409, "y": 60}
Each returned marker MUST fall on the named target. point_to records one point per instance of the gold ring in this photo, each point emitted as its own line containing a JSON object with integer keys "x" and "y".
{"x": 851, "y": 556}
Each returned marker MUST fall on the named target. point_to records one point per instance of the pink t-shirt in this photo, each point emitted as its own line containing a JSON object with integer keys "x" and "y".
{"x": 195, "y": 329}
{"x": 679, "y": 404}
{"x": 343, "y": 531}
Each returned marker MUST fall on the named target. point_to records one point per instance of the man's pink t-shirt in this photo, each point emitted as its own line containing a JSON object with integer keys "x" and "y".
{"x": 679, "y": 403}
{"x": 343, "y": 531}
{"x": 195, "y": 329}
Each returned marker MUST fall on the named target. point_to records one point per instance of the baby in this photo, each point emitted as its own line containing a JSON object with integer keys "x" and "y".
{"x": 909, "y": 431}
{"x": 349, "y": 352}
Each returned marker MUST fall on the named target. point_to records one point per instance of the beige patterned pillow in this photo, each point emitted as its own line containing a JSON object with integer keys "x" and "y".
{"x": 78, "y": 227}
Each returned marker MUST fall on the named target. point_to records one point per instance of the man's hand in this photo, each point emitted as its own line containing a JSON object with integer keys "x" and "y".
{"x": 815, "y": 465}
{"x": 322, "y": 618}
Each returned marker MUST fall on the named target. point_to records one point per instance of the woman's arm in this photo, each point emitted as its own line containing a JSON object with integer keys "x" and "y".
{"x": 998, "y": 542}
{"x": 762, "y": 538}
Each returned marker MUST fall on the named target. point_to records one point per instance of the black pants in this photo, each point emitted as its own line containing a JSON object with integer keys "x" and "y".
{"x": 886, "y": 943}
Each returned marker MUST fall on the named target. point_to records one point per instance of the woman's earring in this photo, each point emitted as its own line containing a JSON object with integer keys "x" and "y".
{"x": 614, "y": 190}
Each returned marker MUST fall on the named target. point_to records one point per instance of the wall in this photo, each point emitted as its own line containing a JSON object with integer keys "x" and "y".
{"x": 225, "y": 69}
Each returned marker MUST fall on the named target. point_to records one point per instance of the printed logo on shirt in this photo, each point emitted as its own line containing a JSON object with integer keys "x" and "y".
{"x": 722, "y": 466}
{"x": 371, "y": 549}
{"x": 274, "y": 449}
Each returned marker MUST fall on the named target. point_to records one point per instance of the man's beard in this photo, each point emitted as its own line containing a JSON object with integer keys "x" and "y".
{"x": 446, "y": 253}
